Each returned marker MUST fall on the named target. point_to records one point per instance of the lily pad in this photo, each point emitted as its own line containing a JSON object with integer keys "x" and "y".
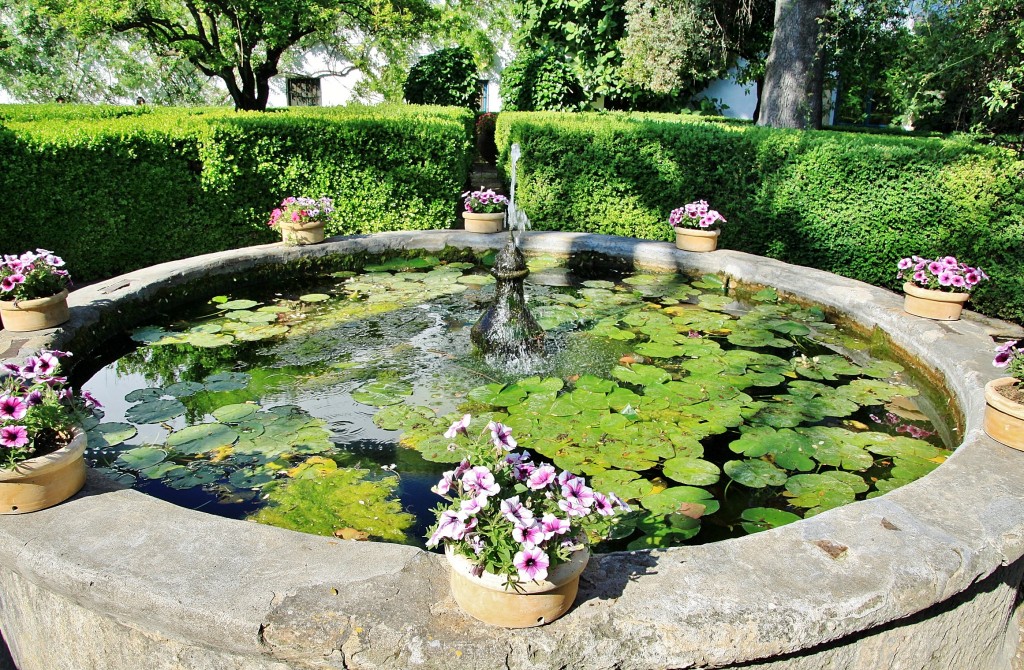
{"x": 235, "y": 413}
{"x": 155, "y": 411}
{"x": 202, "y": 438}
{"x": 110, "y": 434}
{"x": 677, "y": 498}
{"x": 227, "y": 381}
{"x": 788, "y": 449}
{"x": 238, "y": 304}
{"x": 756, "y": 519}
{"x": 183, "y": 389}
{"x": 314, "y": 297}
{"x": 692, "y": 471}
{"x": 755, "y": 473}
{"x": 140, "y": 458}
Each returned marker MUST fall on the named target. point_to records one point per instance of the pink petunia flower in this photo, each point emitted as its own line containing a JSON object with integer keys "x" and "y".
{"x": 532, "y": 563}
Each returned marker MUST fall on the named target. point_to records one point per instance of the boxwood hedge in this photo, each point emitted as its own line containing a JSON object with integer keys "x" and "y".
{"x": 116, "y": 188}
{"x": 849, "y": 203}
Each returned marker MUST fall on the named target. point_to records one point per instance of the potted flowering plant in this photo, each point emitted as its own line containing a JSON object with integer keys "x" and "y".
{"x": 33, "y": 291}
{"x": 515, "y": 532}
{"x": 484, "y": 211}
{"x": 937, "y": 288}
{"x": 41, "y": 442}
{"x": 1004, "y": 397}
{"x": 696, "y": 226}
{"x": 302, "y": 220}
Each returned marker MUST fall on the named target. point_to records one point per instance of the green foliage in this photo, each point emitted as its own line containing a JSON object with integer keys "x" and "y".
{"x": 445, "y": 77}
{"x": 120, "y": 189}
{"x": 672, "y": 45}
{"x": 540, "y": 81}
{"x": 852, "y": 204}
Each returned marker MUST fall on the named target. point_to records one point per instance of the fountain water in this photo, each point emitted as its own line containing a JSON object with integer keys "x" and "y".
{"x": 507, "y": 328}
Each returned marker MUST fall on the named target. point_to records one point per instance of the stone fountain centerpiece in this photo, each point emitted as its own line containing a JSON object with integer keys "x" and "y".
{"x": 507, "y": 328}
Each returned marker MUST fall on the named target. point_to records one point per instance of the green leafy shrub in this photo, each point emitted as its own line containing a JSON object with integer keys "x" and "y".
{"x": 537, "y": 81}
{"x": 112, "y": 194}
{"x": 445, "y": 77}
{"x": 848, "y": 203}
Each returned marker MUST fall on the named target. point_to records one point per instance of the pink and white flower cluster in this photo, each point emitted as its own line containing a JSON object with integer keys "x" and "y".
{"x": 33, "y": 274}
{"x": 1010, "y": 355}
{"x": 695, "y": 215}
{"x": 301, "y": 211}
{"x": 510, "y": 515}
{"x": 484, "y": 202}
{"x": 940, "y": 274}
{"x": 34, "y": 404}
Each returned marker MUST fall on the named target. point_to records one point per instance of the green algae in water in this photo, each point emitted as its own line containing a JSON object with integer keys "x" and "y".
{"x": 323, "y": 410}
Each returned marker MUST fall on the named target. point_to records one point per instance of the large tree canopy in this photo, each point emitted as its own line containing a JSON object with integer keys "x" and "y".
{"x": 239, "y": 41}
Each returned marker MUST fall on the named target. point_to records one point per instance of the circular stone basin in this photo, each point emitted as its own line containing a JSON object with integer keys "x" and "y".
{"x": 922, "y": 577}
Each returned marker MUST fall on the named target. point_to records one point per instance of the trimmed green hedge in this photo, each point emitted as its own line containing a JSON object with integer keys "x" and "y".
{"x": 112, "y": 189}
{"x": 847, "y": 203}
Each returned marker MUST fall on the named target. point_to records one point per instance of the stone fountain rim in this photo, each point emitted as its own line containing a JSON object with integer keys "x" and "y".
{"x": 235, "y": 588}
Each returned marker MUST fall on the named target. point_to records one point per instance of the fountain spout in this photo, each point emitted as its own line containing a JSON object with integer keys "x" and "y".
{"x": 507, "y": 328}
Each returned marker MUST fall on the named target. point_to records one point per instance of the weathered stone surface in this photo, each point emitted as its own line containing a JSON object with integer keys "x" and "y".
{"x": 923, "y": 577}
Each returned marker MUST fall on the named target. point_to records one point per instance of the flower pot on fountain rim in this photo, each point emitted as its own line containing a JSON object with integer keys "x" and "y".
{"x": 33, "y": 291}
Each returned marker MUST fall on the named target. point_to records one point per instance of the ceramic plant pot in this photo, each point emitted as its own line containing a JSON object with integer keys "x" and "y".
{"x": 695, "y": 239}
{"x": 937, "y": 305}
{"x": 297, "y": 234}
{"x": 483, "y": 223}
{"x": 44, "y": 481}
{"x": 1004, "y": 418}
{"x": 531, "y": 604}
{"x": 35, "y": 314}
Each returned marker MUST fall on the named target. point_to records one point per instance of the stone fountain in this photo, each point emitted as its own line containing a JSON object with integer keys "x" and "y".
{"x": 507, "y": 328}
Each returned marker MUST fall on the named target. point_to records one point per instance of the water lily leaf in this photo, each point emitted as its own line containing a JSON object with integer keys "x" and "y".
{"x": 715, "y": 303}
{"x": 192, "y": 478}
{"x": 250, "y": 478}
{"x": 589, "y": 400}
{"x": 564, "y": 406}
{"x": 790, "y": 328}
{"x": 881, "y": 369}
{"x": 621, "y": 398}
{"x": 163, "y": 470}
{"x": 226, "y": 381}
{"x": 710, "y": 282}
{"x": 150, "y": 334}
{"x": 274, "y": 309}
{"x": 612, "y": 332}
{"x": 498, "y": 395}
{"x": 140, "y": 458}
{"x": 829, "y": 367}
{"x": 246, "y": 316}
{"x": 818, "y": 492}
{"x": 476, "y": 280}
{"x": 897, "y": 446}
{"x": 545, "y": 385}
{"x": 599, "y": 283}
{"x": 693, "y": 471}
{"x": 766, "y": 295}
{"x": 756, "y": 519}
{"x": 909, "y": 468}
{"x": 756, "y": 338}
{"x": 155, "y": 411}
{"x": 183, "y": 389}
{"x": 110, "y": 434}
{"x": 626, "y": 485}
{"x": 837, "y": 447}
{"x": 238, "y": 304}
{"x": 403, "y": 417}
{"x": 209, "y": 328}
{"x": 235, "y": 413}
{"x": 314, "y": 297}
{"x": 874, "y": 392}
{"x": 673, "y": 499}
{"x": 207, "y": 340}
{"x": 789, "y": 449}
{"x": 594, "y": 384}
{"x": 261, "y": 332}
{"x": 641, "y": 375}
{"x": 139, "y": 395}
{"x": 661, "y": 350}
{"x": 201, "y": 438}
{"x": 755, "y": 473}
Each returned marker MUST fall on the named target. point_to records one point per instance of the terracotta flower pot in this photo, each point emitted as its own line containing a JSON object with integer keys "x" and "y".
{"x": 483, "y": 223}
{"x": 297, "y": 234}
{"x": 35, "y": 314}
{"x": 696, "y": 239}
{"x": 937, "y": 305}
{"x": 1004, "y": 418}
{"x": 44, "y": 481}
{"x": 531, "y": 604}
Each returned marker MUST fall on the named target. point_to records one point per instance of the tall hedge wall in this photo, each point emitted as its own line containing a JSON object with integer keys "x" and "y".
{"x": 112, "y": 189}
{"x": 849, "y": 203}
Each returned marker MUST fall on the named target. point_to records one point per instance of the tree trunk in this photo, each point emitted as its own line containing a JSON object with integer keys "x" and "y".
{"x": 790, "y": 72}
